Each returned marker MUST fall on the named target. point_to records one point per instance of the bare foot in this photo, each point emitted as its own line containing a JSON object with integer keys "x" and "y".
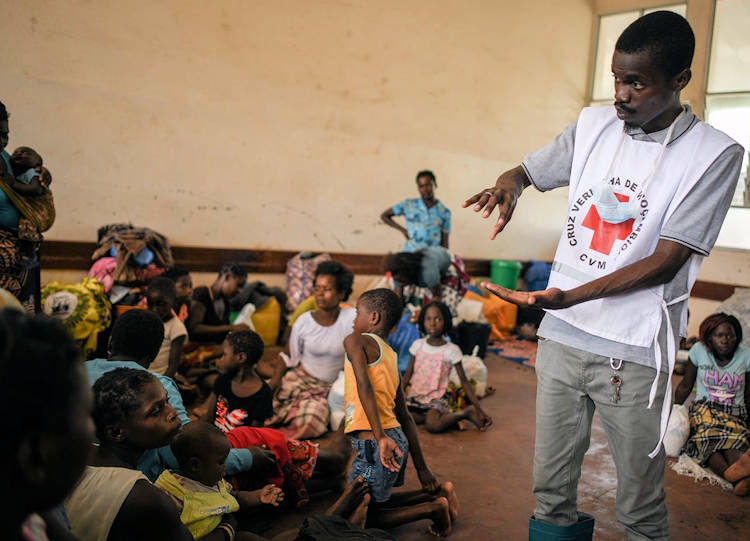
{"x": 349, "y": 499}
{"x": 743, "y": 487}
{"x": 359, "y": 517}
{"x": 739, "y": 469}
{"x": 473, "y": 415}
{"x": 449, "y": 493}
{"x": 461, "y": 426}
{"x": 441, "y": 518}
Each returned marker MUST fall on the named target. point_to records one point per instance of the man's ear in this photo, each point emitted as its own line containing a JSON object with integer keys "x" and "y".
{"x": 682, "y": 79}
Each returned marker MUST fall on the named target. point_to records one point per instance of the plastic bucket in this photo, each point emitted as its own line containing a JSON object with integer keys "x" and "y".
{"x": 504, "y": 273}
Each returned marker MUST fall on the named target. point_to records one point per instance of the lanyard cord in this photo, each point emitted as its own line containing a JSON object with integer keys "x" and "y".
{"x": 667, "y": 139}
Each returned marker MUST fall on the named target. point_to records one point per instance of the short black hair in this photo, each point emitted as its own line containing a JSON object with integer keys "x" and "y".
{"x": 175, "y": 273}
{"x": 39, "y": 361}
{"x": 247, "y": 342}
{"x": 666, "y": 35}
{"x": 444, "y": 311}
{"x": 117, "y": 394}
{"x": 194, "y": 438}
{"x": 3, "y": 112}
{"x": 386, "y": 303}
{"x": 138, "y": 334}
{"x": 235, "y": 269}
{"x": 344, "y": 277}
{"x": 426, "y": 173}
{"x": 408, "y": 264}
{"x": 165, "y": 286}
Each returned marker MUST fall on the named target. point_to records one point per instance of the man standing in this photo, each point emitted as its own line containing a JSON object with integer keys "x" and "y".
{"x": 428, "y": 221}
{"x": 650, "y": 185}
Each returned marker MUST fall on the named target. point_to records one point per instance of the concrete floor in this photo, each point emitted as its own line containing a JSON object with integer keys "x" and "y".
{"x": 492, "y": 475}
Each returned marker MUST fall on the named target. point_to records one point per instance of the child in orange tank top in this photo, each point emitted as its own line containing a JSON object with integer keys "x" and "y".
{"x": 380, "y": 428}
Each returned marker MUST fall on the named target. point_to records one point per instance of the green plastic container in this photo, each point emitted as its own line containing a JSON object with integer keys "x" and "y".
{"x": 583, "y": 530}
{"x": 504, "y": 273}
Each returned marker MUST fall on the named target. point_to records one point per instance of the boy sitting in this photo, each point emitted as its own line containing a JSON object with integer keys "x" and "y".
{"x": 375, "y": 414}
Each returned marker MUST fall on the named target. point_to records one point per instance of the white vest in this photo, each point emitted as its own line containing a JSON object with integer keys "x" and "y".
{"x": 590, "y": 248}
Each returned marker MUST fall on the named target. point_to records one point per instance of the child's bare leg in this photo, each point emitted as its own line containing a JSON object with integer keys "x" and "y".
{"x": 359, "y": 517}
{"x": 449, "y": 493}
{"x": 717, "y": 463}
{"x": 403, "y": 498}
{"x": 739, "y": 469}
{"x": 437, "y": 422}
{"x": 437, "y": 511}
{"x": 419, "y": 418}
{"x": 350, "y": 499}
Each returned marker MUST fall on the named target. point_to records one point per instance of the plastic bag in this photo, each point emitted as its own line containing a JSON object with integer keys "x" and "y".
{"x": 336, "y": 402}
{"x": 475, "y": 370}
{"x": 678, "y": 430}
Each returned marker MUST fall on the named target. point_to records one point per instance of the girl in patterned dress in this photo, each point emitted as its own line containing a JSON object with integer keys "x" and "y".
{"x": 427, "y": 377}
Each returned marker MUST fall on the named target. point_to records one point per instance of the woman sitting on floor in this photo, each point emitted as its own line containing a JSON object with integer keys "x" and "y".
{"x": 718, "y": 418}
{"x": 302, "y": 380}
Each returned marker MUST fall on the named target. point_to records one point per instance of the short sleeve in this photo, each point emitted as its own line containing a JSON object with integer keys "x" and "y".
{"x": 296, "y": 341}
{"x": 446, "y": 228}
{"x": 550, "y": 166}
{"x": 694, "y": 353}
{"x": 415, "y": 346}
{"x": 264, "y": 406}
{"x": 176, "y": 328}
{"x": 399, "y": 208}
{"x": 697, "y": 220}
{"x": 454, "y": 354}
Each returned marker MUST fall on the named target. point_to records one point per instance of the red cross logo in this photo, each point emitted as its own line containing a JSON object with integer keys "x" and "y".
{"x": 606, "y": 233}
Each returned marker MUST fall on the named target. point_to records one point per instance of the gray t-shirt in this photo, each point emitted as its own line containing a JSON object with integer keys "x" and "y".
{"x": 695, "y": 223}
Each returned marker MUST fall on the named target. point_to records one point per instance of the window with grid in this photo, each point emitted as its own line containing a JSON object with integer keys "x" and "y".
{"x": 728, "y": 82}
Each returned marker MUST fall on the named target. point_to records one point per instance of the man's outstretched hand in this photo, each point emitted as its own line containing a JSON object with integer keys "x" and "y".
{"x": 552, "y": 298}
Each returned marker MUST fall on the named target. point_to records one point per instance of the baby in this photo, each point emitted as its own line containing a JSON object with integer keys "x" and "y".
{"x": 32, "y": 186}
{"x": 204, "y": 498}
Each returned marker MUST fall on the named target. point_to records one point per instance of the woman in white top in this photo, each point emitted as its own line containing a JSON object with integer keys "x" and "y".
{"x": 302, "y": 380}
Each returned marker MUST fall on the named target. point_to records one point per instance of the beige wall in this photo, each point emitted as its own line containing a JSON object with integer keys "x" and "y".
{"x": 291, "y": 125}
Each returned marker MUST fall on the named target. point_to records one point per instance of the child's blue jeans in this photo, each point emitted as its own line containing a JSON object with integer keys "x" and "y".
{"x": 367, "y": 465}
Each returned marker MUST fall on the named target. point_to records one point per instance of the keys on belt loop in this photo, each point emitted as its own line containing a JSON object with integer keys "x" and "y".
{"x": 615, "y": 380}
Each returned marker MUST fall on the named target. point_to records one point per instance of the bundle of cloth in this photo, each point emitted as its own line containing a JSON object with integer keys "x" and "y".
{"x": 128, "y": 254}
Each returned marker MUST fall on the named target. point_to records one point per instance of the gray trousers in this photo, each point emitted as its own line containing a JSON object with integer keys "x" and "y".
{"x": 571, "y": 384}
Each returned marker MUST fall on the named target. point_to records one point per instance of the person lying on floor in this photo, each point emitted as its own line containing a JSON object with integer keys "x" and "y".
{"x": 239, "y": 404}
{"x": 301, "y": 382}
{"x": 719, "y": 432}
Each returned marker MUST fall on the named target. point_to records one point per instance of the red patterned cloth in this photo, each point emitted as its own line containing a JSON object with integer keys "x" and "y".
{"x": 295, "y": 461}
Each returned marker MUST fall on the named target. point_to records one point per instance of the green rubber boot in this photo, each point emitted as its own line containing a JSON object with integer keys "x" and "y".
{"x": 583, "y": 530}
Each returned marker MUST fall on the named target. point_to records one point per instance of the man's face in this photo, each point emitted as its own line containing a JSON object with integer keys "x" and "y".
{"x": 644, "y": 96}
{"x": 426, "y": 188}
